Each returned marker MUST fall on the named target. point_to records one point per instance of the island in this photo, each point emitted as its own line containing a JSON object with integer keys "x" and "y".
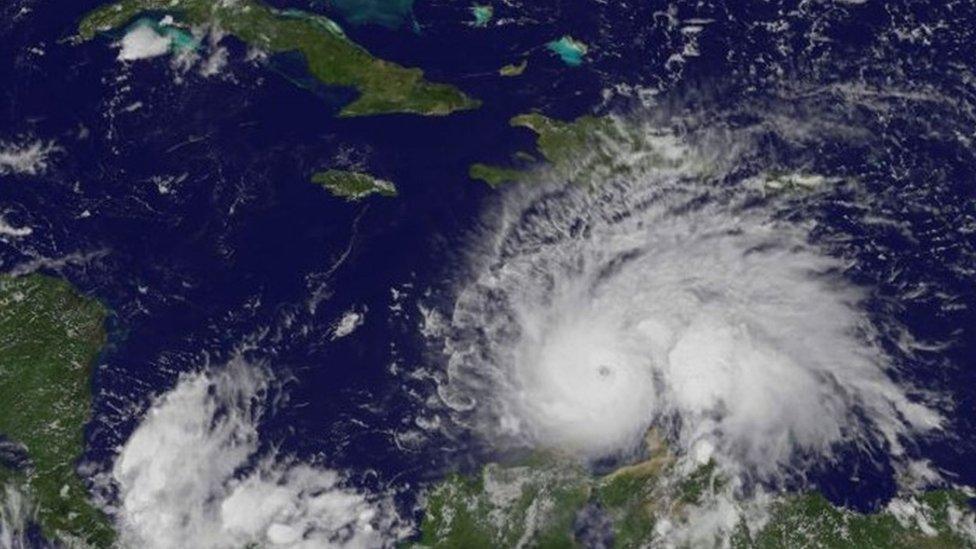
{"x": 496, "y": 176}
{"x": 50, "y": 335}
{"x": 558, "y": 142}
{"x": 353, "y": 185}
{"x": 514, "y": 69}
{"x": 331, "y": 57}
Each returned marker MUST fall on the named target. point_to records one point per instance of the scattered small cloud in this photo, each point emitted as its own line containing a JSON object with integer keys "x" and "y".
{"x": 27, "y": 157}
{"x": 346, "y": 325}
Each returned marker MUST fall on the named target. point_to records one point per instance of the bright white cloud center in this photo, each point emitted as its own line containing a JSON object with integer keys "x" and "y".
{"x": 579, "y": 370}
{"x": 143, "y": 42}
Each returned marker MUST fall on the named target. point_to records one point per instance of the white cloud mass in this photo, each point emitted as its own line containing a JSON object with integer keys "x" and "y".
{"x": 191, "y": 476}
{"x": 143, "y": 42}
{"x": 29, "y": 157}
{"x": 661, "y": 297}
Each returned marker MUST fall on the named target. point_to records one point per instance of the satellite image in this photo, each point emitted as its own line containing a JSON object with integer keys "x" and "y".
{"x": 487, "y": 274}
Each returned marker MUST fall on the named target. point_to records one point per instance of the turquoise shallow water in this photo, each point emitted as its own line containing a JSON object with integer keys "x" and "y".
{"x": 482, "y": 14}
{"x": 569, "y": 50}
{"x": 180, "y": 39}
{"x": 388, "y": 13}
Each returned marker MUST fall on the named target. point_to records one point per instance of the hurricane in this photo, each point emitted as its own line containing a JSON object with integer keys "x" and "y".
{"x": 673, "y": 294}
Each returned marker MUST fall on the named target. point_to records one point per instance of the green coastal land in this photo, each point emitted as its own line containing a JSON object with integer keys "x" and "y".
{"x": 332, "y": 58}
{"x": 50, "y": 336}
{"x": 559, "y": 143}
{"x": 514, "y": 69}
{"x": 353, "y": 185}
{"x": 537, "y": 504}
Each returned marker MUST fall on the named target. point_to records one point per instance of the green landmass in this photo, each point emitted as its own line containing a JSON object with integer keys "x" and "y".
{"x": 332, "y": 58}
{"x": 353, "y": 185}
{"x": 560, "y": 141}
{"x": 630, "y": 495}
{"x": 537, "y": 504}
{"x": 589, "y": 150}
{"x": 50, "y": 336}
{"x": 506, "y": 507}
{"x": 573, "y": 148}
{"x": 809, "y": 520}
{"x": 496, "y": 175}
{"x": 514, "y": 69}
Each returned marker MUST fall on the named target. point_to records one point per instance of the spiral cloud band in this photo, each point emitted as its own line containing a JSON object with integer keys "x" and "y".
{"x": 666, "y": 299}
